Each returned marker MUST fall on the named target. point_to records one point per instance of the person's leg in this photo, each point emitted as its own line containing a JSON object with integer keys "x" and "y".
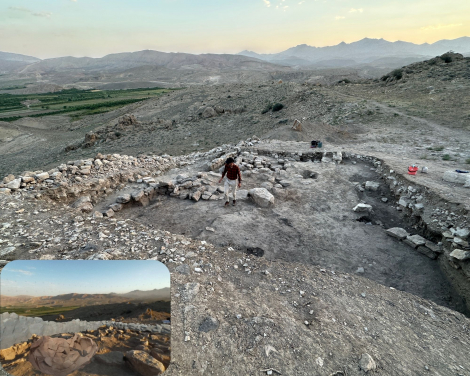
{"x": 226, "y": 190}
{"x": 235, "y": 184}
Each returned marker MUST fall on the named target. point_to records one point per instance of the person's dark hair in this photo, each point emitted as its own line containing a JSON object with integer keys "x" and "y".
{"x": 230, "y": 160}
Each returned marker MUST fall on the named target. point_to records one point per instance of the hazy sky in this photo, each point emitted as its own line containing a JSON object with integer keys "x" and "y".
{"x": 54, "y": 277}
{"x": 52, "y": 28}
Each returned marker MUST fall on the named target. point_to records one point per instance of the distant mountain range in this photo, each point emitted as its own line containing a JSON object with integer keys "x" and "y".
{"x": 365, "y": 51}
{"x": 129, "y": 60}
{"x": 369, "y": 58}
{"x": 74, "y": 299}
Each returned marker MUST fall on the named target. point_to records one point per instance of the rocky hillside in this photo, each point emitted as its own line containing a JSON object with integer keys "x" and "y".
{"x": 436, "y": 89}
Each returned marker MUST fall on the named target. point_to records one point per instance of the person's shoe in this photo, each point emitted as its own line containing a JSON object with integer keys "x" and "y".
{"x": 234, "y": 202}
{"x": 227, "y": 203}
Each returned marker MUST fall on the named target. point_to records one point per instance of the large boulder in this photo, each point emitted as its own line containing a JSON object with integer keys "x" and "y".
{"x": 262, "y": 197}
{"x": 144, "y": 364}
{"x": 14, "y": 184}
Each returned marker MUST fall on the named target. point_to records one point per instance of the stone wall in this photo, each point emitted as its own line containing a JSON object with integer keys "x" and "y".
{"x": 16, "y": 329}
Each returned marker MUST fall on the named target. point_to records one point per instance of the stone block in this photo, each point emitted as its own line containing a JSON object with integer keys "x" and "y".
{"x": 414, "y": 241}
{"x": 397, "y": 232}
{"x": 460, "y": 254}
{"x": 427, "y": 252}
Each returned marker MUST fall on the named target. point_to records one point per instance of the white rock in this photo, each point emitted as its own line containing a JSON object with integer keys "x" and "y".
{"x": 372, "y": 185}
{"x": 359, "y": 208}
{"x": 42, "y": 176}
{"x": 367, "y": 363}
{"x": 456, "y": 177}
{"x": 262, "y": 197}
{"x": 14, "y": 184}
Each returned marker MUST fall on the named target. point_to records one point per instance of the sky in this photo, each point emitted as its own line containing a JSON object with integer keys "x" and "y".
{"x": 55, "y": 277}
{"x": 95, "y": 28}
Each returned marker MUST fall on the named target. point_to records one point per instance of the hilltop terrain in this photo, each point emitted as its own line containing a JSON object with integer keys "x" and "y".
{"x": 333, "y": 261}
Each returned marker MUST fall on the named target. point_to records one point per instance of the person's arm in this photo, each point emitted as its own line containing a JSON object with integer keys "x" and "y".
{"x": 239, "y": 177}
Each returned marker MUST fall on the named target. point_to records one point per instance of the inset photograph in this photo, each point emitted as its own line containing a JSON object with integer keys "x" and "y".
{"x": 85, "y": 318}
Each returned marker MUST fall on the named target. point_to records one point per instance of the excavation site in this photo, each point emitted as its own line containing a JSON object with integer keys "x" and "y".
{"x": 345, "y": 253}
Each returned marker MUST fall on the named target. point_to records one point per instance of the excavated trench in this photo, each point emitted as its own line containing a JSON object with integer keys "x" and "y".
{"x": 312, "y": 222}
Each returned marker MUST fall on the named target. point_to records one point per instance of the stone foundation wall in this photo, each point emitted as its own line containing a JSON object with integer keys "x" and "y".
{"x": 16, "y": 329}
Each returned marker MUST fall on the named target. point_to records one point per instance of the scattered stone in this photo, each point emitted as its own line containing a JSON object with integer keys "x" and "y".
{"x": 360, "y": 270}
{"x": 208, "y": 324}
{"x": 97, "y": 214}
{"x": 124, "y": 199}
{"x": 367, "y": 363}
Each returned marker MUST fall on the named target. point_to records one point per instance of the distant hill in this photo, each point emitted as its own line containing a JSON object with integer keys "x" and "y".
{"x": 364, "y": 51}
{"x": 12, "y": 62}
{"x": 128, "y": 60}
{"x": 74, "y": 299}
{"x": 7, "y": 56}
{"x": 148, "y": 295}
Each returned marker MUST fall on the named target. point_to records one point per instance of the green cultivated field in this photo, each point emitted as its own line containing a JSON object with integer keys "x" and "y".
{"x": 73, "y": 102}
{"x": 37, "y": 311}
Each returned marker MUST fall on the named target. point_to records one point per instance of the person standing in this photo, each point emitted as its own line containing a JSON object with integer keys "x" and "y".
{"x": 233, "y": 173}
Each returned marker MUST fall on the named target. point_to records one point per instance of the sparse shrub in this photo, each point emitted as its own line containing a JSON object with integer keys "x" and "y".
{"x": 277, "y": 107}
{"x": 384, "y": 77}
{"x": 447, "y": 58}
{"x": 446, "y": 157}
{"x": 436, "y": 148}
{"x": 397, "y": 74}
{"x": 467, "y": 161}
{"x": 432, "y": 62}
{"x": 268, "y": 107}
{"x": 117, "y": 134}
